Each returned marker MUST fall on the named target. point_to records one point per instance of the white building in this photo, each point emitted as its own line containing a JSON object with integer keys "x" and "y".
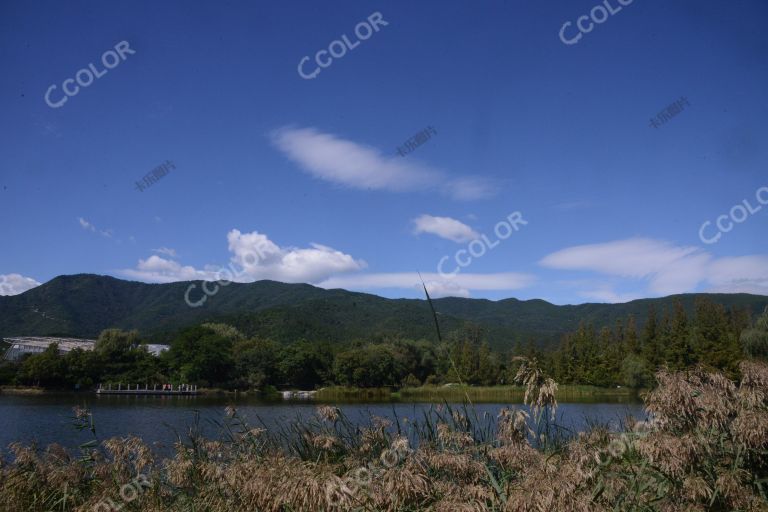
{"x": 22, "y": 346}
{"x": 35, "y": 345}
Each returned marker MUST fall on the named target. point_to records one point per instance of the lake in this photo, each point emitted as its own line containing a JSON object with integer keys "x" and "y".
{"x": 47, "y": 418}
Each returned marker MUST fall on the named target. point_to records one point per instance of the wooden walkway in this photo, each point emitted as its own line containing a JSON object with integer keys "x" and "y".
{"x": 183, "y": 389}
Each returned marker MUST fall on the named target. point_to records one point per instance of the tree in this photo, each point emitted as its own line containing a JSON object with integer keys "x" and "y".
{"x": 635, "y": 373}
{"x": 306, "y": 365}
{"x": 607, "y": 358}
{"x": 754, "y": 341}
{"x": 256, "y": 363}
{"x": 370, "y": 366}
{"x": 488, "y": 366}
{"x": 122, "y": 359}
{"x": 44, "y": 369}
{"x": 82, "y": 367}
{"x": 201, "y": 356}
{"x": 678, "y": 350}
{"x": 113, "y": 343}
{"x": 651, "y": 350}
{"x": 713, "y": 342}
{"x": 630, "y": 336}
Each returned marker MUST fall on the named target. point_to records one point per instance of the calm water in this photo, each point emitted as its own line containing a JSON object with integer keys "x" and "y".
{"x": 48, "y": 418}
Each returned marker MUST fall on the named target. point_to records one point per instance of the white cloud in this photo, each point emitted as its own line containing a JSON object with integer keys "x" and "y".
{"x": 444, "y": 227}
{"x": 90, "y": 227}
{"x": 635, "y": 257}
{"x": 608, "y": 294}
{"x": 459, "y": 285}
{"x": 359, "y": 166}
{"x": 665, "y": 268}
{"x": 86, "y": 225}
{"x": 744, "y": 274}
{"x": 160, "y": 270}
{"x": 171, "y": 253}
{"x": 254, "y": 257}
{"x": 260, "y": 258}
{"x": 14, "y": 284}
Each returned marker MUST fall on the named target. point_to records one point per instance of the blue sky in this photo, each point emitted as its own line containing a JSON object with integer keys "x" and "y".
{"x": 299, "y": 180}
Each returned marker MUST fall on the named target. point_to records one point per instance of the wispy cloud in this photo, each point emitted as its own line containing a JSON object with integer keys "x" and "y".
{"x": 14, "y": 284}
{"x": 90, "y": 227}
{"x": 460, "y": 285}
{"x": 86, "y": 225}
{"x": 253, "y": 256}
{"x": 741, "y": 274}
{"x": 167, "y": 251}
{"x": 444, "y": 227}
{"x": 359, "y": 166}
{"x": 663, "y": 267}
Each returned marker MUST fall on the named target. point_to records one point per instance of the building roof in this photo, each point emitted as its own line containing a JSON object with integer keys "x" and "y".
{"x": 65, "y": 344}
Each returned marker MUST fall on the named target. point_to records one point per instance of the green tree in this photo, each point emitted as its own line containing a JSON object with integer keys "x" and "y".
{"x": 651, "y": 348}
{"x": 114, "y": 343}
{"x": 82, "y": 367}
{"x": 306, "y": 365}
{"x": 754, "y": 340}
{"x": 635, "y": 372}
{"x": 256, "y": 363}
{"x": 199, "y": 355}
{"x": 370, "y": 366}
{"x": 488, "y": 366}
{"x": 630, "y": 336}
{"x": 714, "y": 343}
{"x": 679, "y": 354}
{"x": 45, "y": 369}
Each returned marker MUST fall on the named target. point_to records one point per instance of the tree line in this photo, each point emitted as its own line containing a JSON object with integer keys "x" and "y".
{"x": 218, "y": 355}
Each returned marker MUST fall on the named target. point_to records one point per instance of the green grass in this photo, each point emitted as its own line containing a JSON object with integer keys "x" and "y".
{"x": 457, "y": 393}
{"x": 334, "y": 393}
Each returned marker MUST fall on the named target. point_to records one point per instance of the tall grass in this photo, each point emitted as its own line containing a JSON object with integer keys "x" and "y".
{"x": 704, "y": 448}
{"x": 514, "y": 394}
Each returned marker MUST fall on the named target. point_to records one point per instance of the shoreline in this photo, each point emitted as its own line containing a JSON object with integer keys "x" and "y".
{"x": 487, "y": 394}
{"x": 452, "y": 393}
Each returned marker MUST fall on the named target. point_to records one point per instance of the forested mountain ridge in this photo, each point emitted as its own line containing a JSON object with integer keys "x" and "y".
{"x": 85, "y": 304}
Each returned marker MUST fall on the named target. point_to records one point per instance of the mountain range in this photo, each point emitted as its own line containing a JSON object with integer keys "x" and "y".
{"x": 83, "y": 305}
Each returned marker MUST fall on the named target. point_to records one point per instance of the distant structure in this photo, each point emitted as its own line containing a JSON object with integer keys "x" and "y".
{"x": 164, "y": 389}
{"x": 35, "y": 345}
{"x": 155, "y": 349}
{"x": 25, "y": 345}
{"x": 302, "y": 395}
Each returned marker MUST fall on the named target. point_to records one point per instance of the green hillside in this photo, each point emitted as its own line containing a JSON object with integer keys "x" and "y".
{"x": 83, "y": 305}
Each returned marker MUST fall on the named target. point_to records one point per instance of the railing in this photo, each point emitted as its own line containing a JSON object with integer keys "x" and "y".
{"x": 163, "y": 389}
